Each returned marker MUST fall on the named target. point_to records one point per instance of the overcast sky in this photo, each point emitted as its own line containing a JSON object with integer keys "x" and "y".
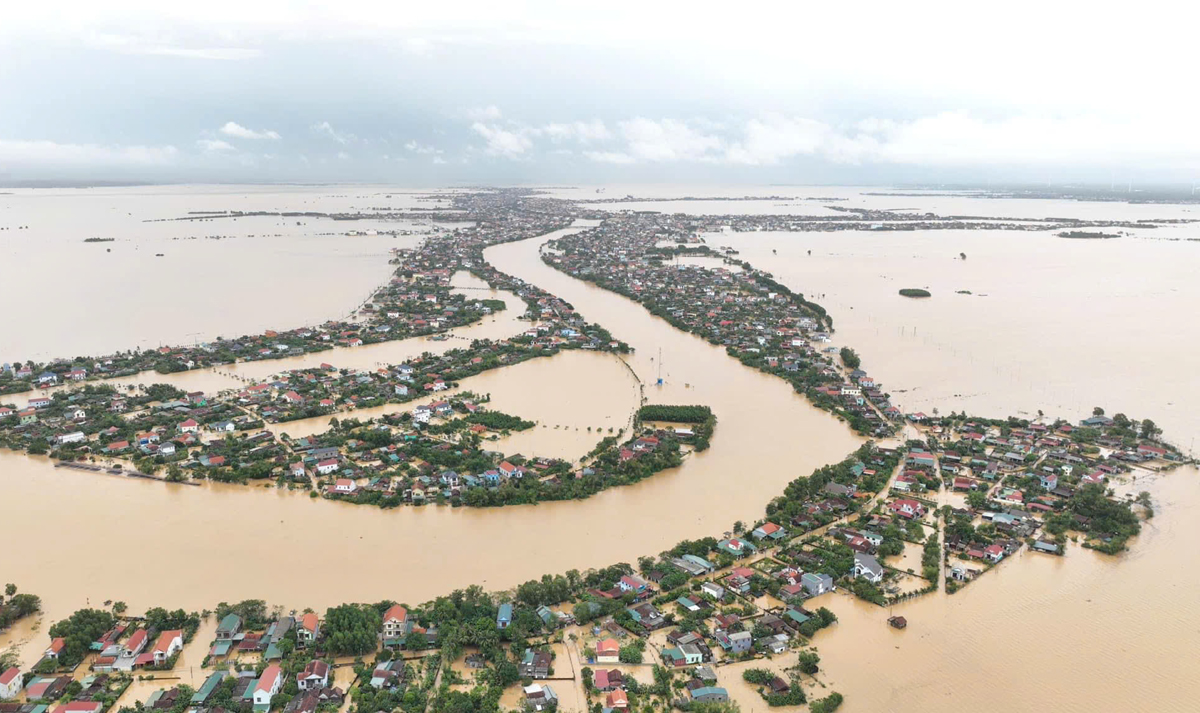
{"x": 513, "y": 92}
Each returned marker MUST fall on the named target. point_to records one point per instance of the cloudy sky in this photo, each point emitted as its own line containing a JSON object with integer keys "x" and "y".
{"x": 515, "y": 92}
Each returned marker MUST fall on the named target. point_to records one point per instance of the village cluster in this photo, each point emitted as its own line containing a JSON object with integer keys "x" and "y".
{"x": 928, "y": 505}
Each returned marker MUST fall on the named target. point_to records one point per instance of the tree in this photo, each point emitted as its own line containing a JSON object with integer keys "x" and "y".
{"x": 119, "y": 608}
{"x": 78, "y": 632}
{"x": 350, "y": 629}
{"x": 807, "y": 661}
{"x": 10, "y": 589}
{"x": 828, "y": 704}
{"x": 1150, "y": 429}
{"x": 850, "y": 358}
{"x": 1097, "y": 411}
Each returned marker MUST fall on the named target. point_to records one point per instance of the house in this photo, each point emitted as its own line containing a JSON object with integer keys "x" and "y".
{"x": 296, "y": 470}
{"x": 10, "y": 683}
{"x": 736, "y": 547}
{"x": 40, "y": 402}
{"x": 345, "y": 486}
{"x": 328, "y": 466}
{"x": 388, "y": 675}
{"x": 229, "y": 627}
{"x": 867, "y": 567}
{"x": 134, "y": 644}
{"x": 647, "y": 616}
{"x": 189, "y": 426}
{"x": 80, "y": 707}
{"x": 73, "y": 437}
{"x": 395, "y": 623}
{"x": 314, "y": 675}
{"x": 714, "y": 590}
{"x": 816, "y": 583}
{"x": 768, "y": 530}
{"x": 908, "y": 509}
{"x": 540, "y": 698}
{"x": 46, "y": 687}
{"x": 56, "y": 648}
{"x": 309, "y": 630}
{"x": 608, "y": 680}
{"x": 740, "y": 641}
{"x": 708, "y": 693}
{"x": 616, "y": 700}
{"x": 205, "y": 692}
{"x": 504, "y": 615}
{"x": 535, "y": 664}
{"x": 1047, "y": 547}
{"x": 608, "y": 651}
{"x": 993, "y": 553}
{"x": 268, "y": 685}
{"x": 168, "y": 644}
{"x": 633, "y": 583}
{"x": 1150, "y": 451}
{"x": 1049, "y": 481}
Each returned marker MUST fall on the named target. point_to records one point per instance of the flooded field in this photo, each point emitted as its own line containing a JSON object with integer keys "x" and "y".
{"x": 163, "y": 281}
{"x": 1051, "y": 324}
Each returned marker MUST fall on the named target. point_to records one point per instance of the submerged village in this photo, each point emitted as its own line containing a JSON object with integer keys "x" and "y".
{"x": 930, "y": 503}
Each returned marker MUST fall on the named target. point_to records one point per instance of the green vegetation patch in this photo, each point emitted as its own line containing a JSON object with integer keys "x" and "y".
{"x": 914, "y": 292}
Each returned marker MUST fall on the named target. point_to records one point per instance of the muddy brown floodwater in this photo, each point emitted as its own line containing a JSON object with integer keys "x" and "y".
{"x": 1066, "y": 325}
{"x": 88, "y": 537}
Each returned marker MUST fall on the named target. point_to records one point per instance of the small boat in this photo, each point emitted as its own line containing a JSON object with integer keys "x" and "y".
{"x": 897, "y": 622}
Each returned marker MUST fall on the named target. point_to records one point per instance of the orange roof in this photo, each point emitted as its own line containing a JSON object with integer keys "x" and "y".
{"x": 309, "y": 621}
{"x": 397, "y": 612}
{"x": 269, "y": 677}
{"x": 165, "y": 639}
{"x": 607, "y": 645}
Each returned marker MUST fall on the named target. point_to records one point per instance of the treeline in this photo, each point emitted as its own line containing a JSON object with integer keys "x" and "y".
{"x": 498, "y": 421}
{"x": 14, "y": 606}
{"x": 702, "y": 416}
{"x": 674, "y": 414}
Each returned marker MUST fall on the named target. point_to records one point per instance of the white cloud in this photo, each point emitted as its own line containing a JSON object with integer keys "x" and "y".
{"x": 585, "y": 132}
{"x": 421, "y": 149}
{"x": 502, "y": 142}
{"x": 215, "y": 145}
{"x": 769, "y": 139}
{"x": 438, "y": 161}
{"x": 491, "y": 112}
{"x": 667, "y": 140}
{"x": 128, "y": 44}
{"x": 610, "y": 157}
{"x": 343, "y": 156}
{"x": 53, "y": 154}
{"x": 325, "y": 129}
{"x": 235, "y": 129}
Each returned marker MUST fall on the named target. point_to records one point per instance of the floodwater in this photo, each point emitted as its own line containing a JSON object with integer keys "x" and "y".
{"x": 565, "y": 427}
{"x": 265, "y": 272}
{"x": 193, "y": 547}
{"x": 1052, "y": 324}
{"x": 500, "y": 325}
